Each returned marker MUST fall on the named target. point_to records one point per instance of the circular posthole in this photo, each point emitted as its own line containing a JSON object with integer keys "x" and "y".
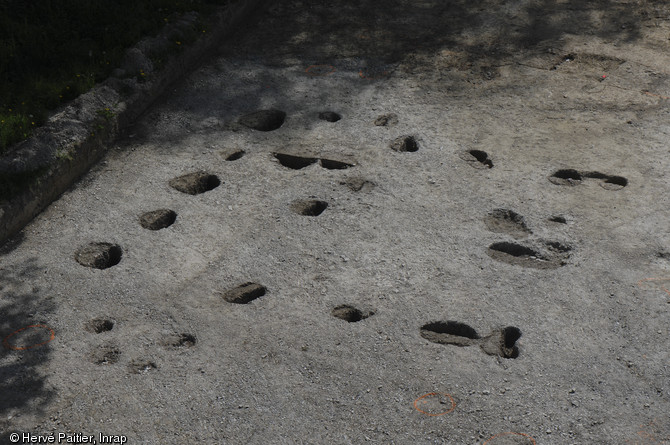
{"x": 195, "y": 183}
{"x": 358, "y": 184}
{"x": 329, "y": 116}
{"x": 29, "y": 337}
{"x": 309, "y": 207}
{"x": 244, "y": 293}
{"x": 558, "y": 219}
{"x": 349, "y": 313}
{"x": 105, "y": 355}
{"x": 263, "y": 120}
{"x": 320, "y": 70}
{"x": 234, "y": 156}
{"x": 405, "y": 143}
{"x": 99, "y": 255}
{"x": 509, "y": 337}
{"x": 386, "y": 120}
{"x": 566, "y": 177}
{"x": 502, "y": 342}
{"x": 507, "y": 221}
{"x": 614, "y": 183}
{"x": 435, "y": 404}
{"x": 510, "y": 438}
{"x": 477, "y": 158}
{"x": 99, "y": 325}
{"x": 183, "y": 340}
{"x": 158, "y": 219}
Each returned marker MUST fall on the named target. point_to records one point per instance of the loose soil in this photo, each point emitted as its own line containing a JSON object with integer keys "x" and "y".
{"x": 563, "y": 109}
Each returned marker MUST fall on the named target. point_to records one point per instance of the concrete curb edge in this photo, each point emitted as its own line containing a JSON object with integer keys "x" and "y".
{"x": 77, "y": 136}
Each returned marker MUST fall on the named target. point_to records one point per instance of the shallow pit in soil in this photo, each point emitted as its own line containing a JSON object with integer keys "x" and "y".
{"x": 477, "y": 158}
{"x": 358, "y": 184}
{"x": 520, "y": 255}
{"x": 515, "y": 250}
{"x": 99, "y": 255}
{"x": 482, "y": 157}
{"x": 158, "y": 219}
{"x": 235, "y": 155}
{"x": 510, "y": 335}
{"x": 614, "y": 183}
{"x": 99, "y": 325}
{"x": 386, "y": 120}
{"x": 405, "y": 144}
{"x": 309, "y": 207}
{"x": 195, "y": 183}
{"x": 502, "y": 342}
{"x": 573, "y": 177}
{"x": 566, "y": 177}
{"x": 244, "y": 293}
{"x": 331, "y": 164}
{"x": 105, "y": 355}
{"x": 329, "y": 116}
{"x": 507, "y": 221}
{"x": 449, "y": 332}
{"x": 263, "y": 120}
{"x": 181, "y": 340}
{"x": 294, "y": 162}
{"x": 349, "y": 313}
{"x": 558, "y": 219}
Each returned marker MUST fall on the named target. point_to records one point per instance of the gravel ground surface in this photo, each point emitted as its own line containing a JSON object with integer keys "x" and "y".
{"x": 416, "y": 222}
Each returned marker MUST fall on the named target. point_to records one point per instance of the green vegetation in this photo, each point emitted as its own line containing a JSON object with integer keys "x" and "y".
{"x": 106, "y": 114}
{"x": 51, "y": 51}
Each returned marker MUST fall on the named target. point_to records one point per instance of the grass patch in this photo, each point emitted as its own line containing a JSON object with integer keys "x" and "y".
{"x": 51, "y": 51}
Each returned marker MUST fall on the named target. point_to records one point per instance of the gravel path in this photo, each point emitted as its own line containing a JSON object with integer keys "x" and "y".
{"x": 415, "y": 222}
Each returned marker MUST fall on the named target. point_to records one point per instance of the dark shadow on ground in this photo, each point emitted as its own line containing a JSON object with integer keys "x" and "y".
{"x": 22, "y": 384}
{"x": 391, "y": 30}
{"x": 465, "y": 40}
{"x": 11, "y": 244}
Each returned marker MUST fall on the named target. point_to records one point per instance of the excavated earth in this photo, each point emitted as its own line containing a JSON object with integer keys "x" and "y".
{"x": 409, "y": 222}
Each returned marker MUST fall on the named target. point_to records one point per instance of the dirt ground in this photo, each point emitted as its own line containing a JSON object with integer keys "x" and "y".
{"x": 448, "y": 226}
